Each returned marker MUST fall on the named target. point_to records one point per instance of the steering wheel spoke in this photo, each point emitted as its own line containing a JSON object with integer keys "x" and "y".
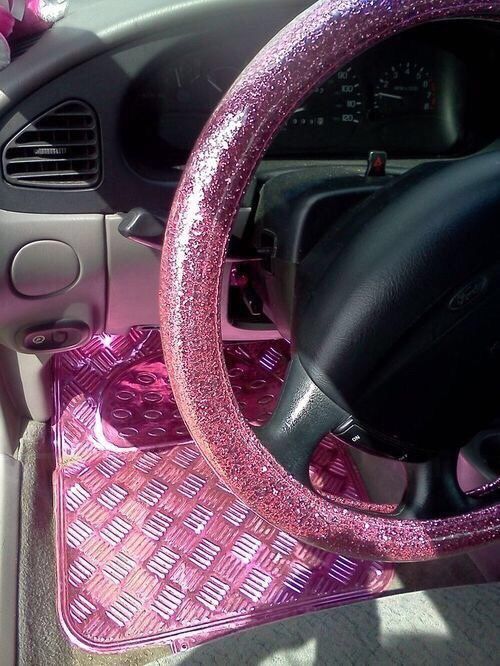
{"x": 433, "y": 490}
{"x": 303, "y": 416}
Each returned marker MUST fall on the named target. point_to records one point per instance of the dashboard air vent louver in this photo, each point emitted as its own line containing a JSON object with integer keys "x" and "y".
{"x": 60, "y": 149}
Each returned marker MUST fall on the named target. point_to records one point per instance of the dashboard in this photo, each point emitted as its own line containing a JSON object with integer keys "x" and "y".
{"x": 415, "y": 96}
{"x": 138, "y": 81}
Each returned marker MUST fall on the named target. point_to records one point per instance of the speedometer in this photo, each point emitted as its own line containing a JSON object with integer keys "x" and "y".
{"x": 346, "y": 97}
{"x": 406, "y": 88}
{"x": 339, "y": 100}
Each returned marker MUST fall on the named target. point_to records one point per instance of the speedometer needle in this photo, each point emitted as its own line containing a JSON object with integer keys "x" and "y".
{"x": 389, "y": 95}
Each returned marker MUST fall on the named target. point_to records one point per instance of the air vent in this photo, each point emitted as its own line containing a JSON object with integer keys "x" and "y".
{"x": 60, "y": 149}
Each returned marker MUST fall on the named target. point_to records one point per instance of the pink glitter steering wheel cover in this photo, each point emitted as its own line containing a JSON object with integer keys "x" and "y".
{"x": 316, "y": 44}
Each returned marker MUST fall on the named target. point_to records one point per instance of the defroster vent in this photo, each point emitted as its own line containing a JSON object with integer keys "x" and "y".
{"x": 60, "y": 149}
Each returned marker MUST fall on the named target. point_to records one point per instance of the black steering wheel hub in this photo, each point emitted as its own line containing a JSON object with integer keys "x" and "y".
{"x": 397, "y": 306}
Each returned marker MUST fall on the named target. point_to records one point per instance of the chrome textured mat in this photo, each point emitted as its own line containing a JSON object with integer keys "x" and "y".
{"x": 151, "y": 547}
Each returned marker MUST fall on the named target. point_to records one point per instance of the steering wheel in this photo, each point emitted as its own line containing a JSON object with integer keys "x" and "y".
{"x": 360, "y": 308}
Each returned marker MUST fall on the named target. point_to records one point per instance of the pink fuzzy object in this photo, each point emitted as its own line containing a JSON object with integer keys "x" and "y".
{"x": 19, "y": 18}
{"x": 6, "y": 22}
{"x": 47, "y": 11}
{"x": 39, "y": 15}
{"x": 6, "y": 27}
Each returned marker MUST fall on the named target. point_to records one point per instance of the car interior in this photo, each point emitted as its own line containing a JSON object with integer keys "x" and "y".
{"x": 250, "y": 334}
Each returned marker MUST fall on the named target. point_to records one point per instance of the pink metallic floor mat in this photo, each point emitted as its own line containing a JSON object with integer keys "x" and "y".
{"x": 151, "y": 546}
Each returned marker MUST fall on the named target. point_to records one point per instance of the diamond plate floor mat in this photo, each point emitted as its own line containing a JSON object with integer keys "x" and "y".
{"x": 153, "y": 548}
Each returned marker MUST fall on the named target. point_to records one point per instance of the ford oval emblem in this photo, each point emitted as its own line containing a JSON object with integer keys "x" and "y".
{"x": 469, "y": 294}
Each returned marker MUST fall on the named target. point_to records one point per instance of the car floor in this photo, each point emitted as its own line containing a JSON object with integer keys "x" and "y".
{"x": 41, "y": 640}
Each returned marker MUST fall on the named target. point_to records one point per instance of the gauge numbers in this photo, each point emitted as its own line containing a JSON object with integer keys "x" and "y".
{"x": 338, "y": 100}
{"x": 346, "y": 96}
{"x": 406, "y": 88}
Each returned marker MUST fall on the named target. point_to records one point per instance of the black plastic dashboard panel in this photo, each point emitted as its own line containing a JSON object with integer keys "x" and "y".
{"x": 423, "y": 94}
{"x": 108, "y": 64}
{"x": 407, "y": 97}
{"x": 101, "y": 82}
{"x": 107, "y": 52}
{"x": 140, "y": 164}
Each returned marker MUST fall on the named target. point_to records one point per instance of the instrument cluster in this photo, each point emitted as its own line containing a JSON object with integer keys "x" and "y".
{"x": 408, "y": 97}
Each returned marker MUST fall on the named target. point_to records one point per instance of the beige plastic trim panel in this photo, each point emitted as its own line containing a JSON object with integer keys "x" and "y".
{"x": 83, "y": 300}
{"x": 133, "y": 283}
{"x": 10, "y": 413}
{"x": 34, "y": 375}
{"x": 10, "y": 487}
